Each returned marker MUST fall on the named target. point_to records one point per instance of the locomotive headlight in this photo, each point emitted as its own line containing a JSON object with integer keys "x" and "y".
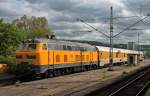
{"x": 18, "y": 56}
{"x": 30, "y": 62}
{"x": 18, "y": 63}
{"x": 31, "y": 56}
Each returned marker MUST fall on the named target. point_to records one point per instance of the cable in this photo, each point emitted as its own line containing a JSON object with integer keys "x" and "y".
{"x": 130, "y": 26}
{"x": 92, "y": 27}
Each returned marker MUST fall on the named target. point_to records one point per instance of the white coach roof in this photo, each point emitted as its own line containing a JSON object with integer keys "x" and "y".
{"x": 102, "y": 48}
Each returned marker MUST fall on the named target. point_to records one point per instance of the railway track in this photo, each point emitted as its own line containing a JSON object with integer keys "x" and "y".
{"x": 134, "y": 85}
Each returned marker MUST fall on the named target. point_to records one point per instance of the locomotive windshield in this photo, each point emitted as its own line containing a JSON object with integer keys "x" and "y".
{"x": 28, "y": 46}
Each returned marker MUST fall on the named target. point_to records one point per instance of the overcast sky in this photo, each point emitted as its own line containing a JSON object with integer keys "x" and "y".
{"x": 62, "y": 15}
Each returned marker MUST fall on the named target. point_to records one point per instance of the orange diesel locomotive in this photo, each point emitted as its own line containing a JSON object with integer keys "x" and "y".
{"x": 49, "y": 57}
{"x": 43, "y": 57}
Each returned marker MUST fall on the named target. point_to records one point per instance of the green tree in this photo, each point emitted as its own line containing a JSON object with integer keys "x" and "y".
{"x": 10, "y": 38}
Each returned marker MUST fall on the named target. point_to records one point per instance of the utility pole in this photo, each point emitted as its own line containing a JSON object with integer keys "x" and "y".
{"x": 138, "y": 48}
{"x": 111, "y": 41}
{"x": 138, "y": 41}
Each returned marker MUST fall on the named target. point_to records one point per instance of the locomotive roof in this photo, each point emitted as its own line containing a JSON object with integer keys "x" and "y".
{"x": 100, "y": 48}
{"x": 60, "y": 42}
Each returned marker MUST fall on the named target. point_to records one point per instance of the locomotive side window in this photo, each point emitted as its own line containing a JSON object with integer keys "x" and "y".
{"x": 65, "y": 58}
{"x": 57, "y": 58}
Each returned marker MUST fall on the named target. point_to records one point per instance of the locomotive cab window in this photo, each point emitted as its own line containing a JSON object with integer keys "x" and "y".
{"x": 44, "y": 47}
{"x": 29, "y": 46}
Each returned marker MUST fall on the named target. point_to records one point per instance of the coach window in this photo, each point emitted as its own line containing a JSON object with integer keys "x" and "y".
{"x": 117, "y": 55}
{"x": 87, "y": 57}
{"x": 44, "y": 47}
{"x": 83, "y": 57}
{"x": 101, "y": 54}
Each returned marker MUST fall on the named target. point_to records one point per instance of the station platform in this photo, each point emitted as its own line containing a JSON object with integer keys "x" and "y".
{"x": 77, "y": 84}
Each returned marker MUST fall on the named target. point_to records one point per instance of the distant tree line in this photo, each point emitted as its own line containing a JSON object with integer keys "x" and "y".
{"x": 35, "y": 26}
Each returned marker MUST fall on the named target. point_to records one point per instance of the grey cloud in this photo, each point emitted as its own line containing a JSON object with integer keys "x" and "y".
{"x": 8, "y": 13}
{"x": 35, "y": 1}
{"x": 62, "y": 15}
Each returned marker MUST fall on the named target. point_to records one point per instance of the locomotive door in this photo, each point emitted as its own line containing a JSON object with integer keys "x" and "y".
{"x": 91, "y": 58}
{"x": 81, "y": 62}
{"x": 98, "y": 58}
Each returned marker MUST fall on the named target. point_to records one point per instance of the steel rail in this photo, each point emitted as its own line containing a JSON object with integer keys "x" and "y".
{"x": 129, "y": 83}
{"x": 140, "y": 92}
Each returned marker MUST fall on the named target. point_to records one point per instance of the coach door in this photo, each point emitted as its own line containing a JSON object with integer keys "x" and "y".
{"x": 132, "y": 59}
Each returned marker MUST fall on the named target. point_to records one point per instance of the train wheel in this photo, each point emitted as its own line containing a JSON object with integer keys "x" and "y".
{"x": 46, "y": 74}
{"x": 72, "y": 70}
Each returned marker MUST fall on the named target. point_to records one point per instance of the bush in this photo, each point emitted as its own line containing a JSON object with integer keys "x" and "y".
{"x": 10, "y": 61}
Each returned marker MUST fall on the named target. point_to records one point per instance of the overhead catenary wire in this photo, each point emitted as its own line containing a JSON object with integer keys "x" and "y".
{"x": 127, "y": 28}
{"x": 78, "y": 19}
{"x": 131, "y": 26}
